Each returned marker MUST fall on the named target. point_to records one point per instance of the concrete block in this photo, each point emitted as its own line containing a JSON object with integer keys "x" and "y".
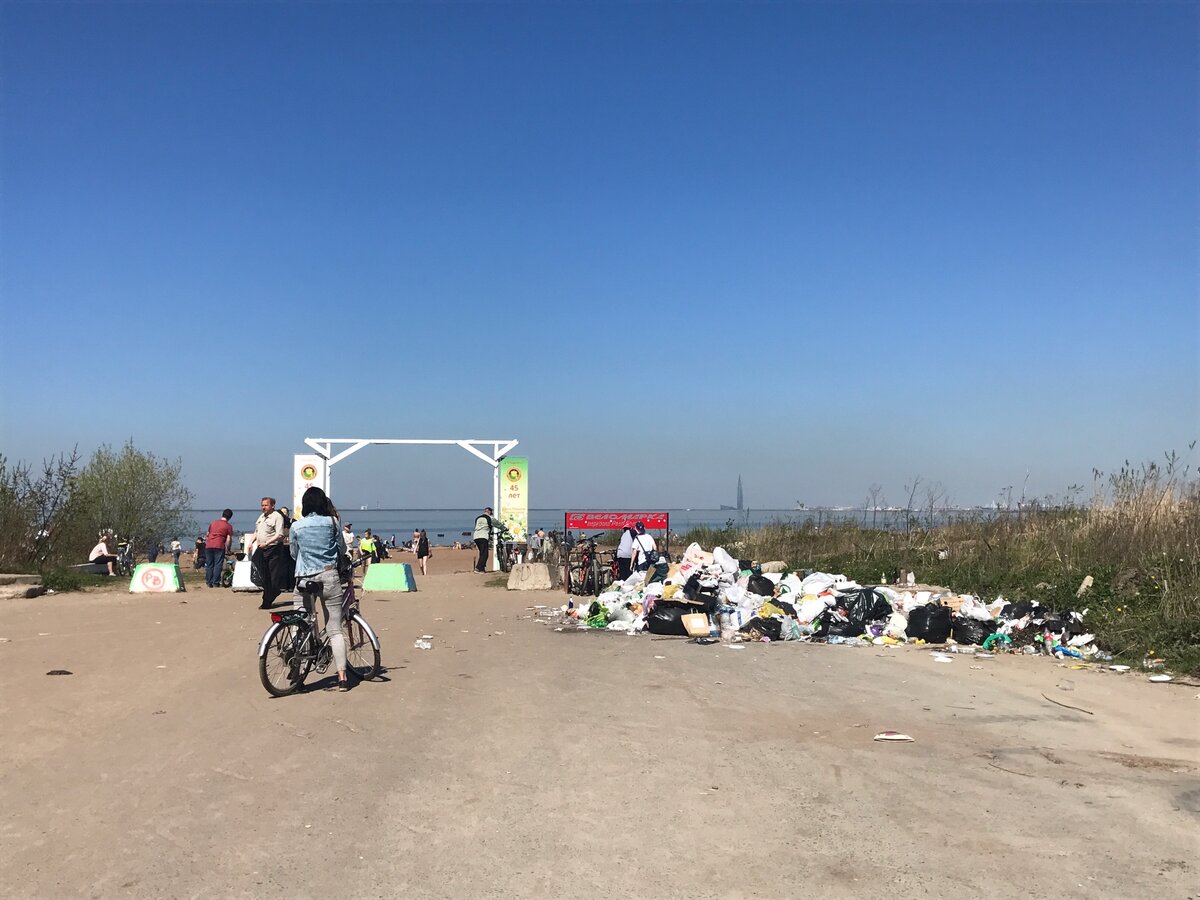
{"x": 529, "y": 577}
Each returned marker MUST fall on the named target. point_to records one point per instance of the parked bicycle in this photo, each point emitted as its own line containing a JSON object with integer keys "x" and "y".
{"x": 590, "y": 571}
{"x": 505, "y": 551}
{"x": 231, "y": 561}
{"x": 124, "y": 563}
{"x": 293, "y": 646}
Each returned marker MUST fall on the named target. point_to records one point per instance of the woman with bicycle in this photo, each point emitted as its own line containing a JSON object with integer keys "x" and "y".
{"x": 316, "y": 542}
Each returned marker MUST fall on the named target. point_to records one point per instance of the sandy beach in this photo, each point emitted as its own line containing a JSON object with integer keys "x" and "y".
{"x": 513, "y": 759}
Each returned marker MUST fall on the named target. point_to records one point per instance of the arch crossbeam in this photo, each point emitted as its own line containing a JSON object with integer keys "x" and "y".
{"x": 490, "y": 451}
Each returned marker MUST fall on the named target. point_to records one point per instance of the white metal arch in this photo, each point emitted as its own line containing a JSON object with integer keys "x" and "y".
{"x": 325, "y": 447}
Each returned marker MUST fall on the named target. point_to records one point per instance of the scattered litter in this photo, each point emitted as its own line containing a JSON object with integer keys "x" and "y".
{"x": 59, "y": 672}
{"x": 942, "y": 657}
{"x": 1119, "y": 668}
{"x": 976, "y": 667}
{"x": 159, "y": 712}
{"x": 1160, "y": 679}
{"x": 422, "y": 644}
{"x": 660, "y": 657}
{"x": 1066, "y": 685}
{"x": 160, "y": 667}
{"x": 893, "y": 737}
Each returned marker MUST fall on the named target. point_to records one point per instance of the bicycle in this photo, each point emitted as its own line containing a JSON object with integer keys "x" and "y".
{"x": 231, "y": 561}
{"x": 589, "y": 576}
{"x": 502, "y": 538}
{"x": 124, "y": 564}
{"x": 293, "y": 645}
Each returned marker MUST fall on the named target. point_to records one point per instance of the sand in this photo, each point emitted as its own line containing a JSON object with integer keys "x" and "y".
{"x": 513, "y": 759}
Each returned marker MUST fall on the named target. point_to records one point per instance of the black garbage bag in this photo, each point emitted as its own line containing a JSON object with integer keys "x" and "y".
{"x": 757, "y": 628}
{"x": 865, "y": 606}
{"x": 692, "y": 587}
{"x": 930, "y": 623}
{"x": 761, "y": 585}
{"x": 836, "y": 622}
{"x": 667, "y": 618}
{"x": 970, "y": 631}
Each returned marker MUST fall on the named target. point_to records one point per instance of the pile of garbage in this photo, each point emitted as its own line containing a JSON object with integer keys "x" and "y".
{"x": 712, "y": 595}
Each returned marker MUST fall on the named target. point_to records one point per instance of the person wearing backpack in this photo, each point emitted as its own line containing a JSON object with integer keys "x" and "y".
{"x": 645, "y": 550}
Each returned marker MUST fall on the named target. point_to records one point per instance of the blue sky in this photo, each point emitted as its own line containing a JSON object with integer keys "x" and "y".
{"x": 818, "y": 245}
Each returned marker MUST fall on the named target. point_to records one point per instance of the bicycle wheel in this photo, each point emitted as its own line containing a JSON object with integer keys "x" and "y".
{"x": 284, "y": 665}
{"x": 575, "y": 580}
{"x": 603, "y": 576}
{"x": 362, "y": 658}
{"x": 227, "y": 578}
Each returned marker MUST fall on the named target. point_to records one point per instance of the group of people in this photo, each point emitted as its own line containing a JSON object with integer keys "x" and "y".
{"x": 636, "y": 551}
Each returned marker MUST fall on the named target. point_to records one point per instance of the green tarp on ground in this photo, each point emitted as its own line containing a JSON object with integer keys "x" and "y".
{"x": 389, "y": 577}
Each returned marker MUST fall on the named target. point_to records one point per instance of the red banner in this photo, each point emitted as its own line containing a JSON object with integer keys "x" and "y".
{"x": 611, "y": 521}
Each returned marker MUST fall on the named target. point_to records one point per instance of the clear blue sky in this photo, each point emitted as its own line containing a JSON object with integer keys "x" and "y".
{"x": 818, "y": 245}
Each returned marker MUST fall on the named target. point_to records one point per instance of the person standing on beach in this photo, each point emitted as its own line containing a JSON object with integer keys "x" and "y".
{"x": 216, "y": 545}
{"x": 421, "y": 546}
{"x": 645, "y": 550}
{"x": 368, "y": 549}
{"x": 536, "y": 542}
{"x": 484, "y": 525}
{"x": 176, "y": 549}
{"x": 270, "y": 551}
{"x": 625, "y": 553}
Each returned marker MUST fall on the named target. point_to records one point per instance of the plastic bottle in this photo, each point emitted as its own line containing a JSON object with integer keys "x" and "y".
{"x": 1048, "y": 643}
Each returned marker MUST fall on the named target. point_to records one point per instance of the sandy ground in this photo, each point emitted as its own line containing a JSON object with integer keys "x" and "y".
{"x": 514, "y": 760}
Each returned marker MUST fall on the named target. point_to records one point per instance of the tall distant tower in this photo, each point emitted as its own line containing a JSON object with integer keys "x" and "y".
{"x": 739, "y": 506}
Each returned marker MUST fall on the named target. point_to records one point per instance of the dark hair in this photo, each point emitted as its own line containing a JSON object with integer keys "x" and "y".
{"x": 227, "y": 514}
{"x": 314, "y": 503}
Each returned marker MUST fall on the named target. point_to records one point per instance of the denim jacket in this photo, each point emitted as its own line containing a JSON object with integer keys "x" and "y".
{"x": 315, "y": 543}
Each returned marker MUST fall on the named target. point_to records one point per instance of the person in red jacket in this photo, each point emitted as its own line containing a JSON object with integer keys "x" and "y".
{"x": 216, "y": 545}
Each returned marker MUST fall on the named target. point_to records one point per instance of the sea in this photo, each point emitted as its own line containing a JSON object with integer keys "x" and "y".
{"x": 445, "y": 526}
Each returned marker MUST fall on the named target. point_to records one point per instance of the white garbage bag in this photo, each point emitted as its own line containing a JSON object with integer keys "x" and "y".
{"x": 972, "y": 609}
{"x": 727, "y": 563}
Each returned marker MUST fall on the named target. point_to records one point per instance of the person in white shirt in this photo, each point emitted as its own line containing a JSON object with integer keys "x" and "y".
{"x": 101, "y": 555}
{"x": 625, "y": 553}
{"x": 176, "y": 549}
{"x": 645, "y": 550}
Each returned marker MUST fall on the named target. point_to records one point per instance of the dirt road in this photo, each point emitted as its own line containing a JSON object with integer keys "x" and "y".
{"x": 513, "y": 760}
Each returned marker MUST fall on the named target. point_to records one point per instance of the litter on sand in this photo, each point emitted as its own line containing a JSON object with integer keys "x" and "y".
{"x": 710, "y": 595}
{"x": 1160, "y": 679}
{"x": 893, "y": 737}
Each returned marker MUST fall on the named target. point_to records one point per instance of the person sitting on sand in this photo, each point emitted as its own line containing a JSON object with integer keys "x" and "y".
{"x": 101, "y": 556}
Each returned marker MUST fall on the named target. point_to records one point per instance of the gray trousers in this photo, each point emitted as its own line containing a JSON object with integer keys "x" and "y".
{"x": 331, "y": 602}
